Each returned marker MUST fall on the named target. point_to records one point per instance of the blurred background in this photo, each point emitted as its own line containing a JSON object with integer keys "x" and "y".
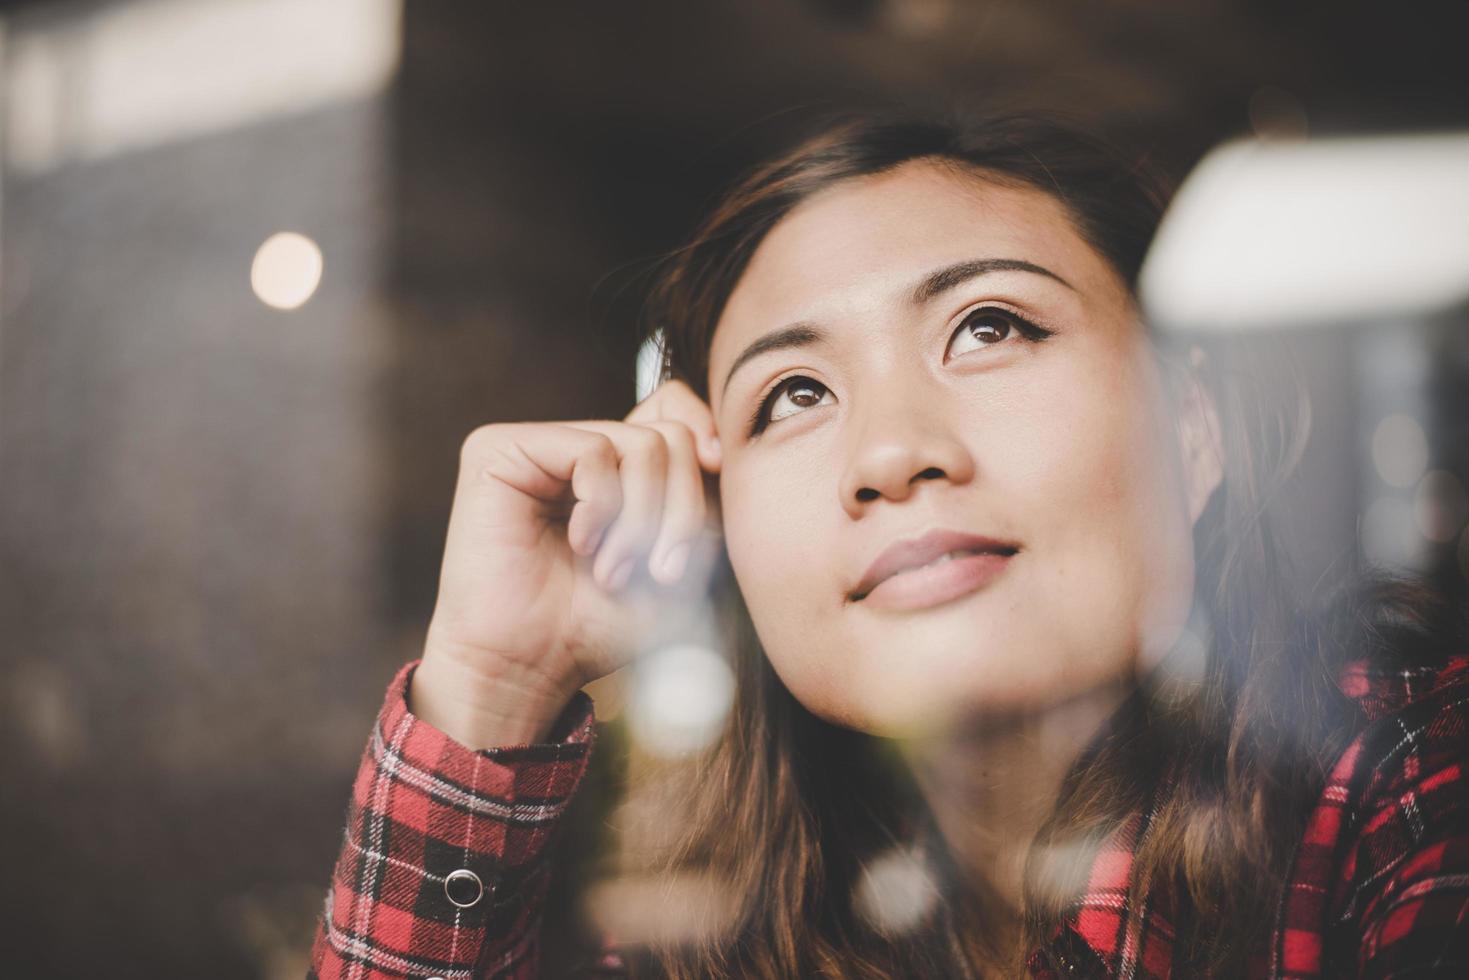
{"x": 265, "y": 263}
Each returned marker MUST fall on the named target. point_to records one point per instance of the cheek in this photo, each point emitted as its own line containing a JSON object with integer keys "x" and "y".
{"x": 1096, "y": 475}
{"x": 1077, "y": 440}
{"x": 780, "y": 554}
{"x": 763, "y": 529}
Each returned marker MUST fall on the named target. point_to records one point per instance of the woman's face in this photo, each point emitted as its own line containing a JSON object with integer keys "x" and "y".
{"x": 961, "y": 361}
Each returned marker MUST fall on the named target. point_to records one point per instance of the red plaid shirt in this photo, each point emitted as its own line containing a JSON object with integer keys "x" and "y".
{"x": 1379, "y": 885}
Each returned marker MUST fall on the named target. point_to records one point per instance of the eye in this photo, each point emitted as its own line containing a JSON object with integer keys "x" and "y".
{"x": 798, "y": 391}
{"x": 990, "y": 325}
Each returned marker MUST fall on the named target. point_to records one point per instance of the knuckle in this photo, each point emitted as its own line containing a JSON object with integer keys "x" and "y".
{"x": 676, "y": 436}
{"x": 480, "y": 442}
{"x": 651, "y": 443}
{"x": 602, "y": 447}
{"x": 676, "y": 429}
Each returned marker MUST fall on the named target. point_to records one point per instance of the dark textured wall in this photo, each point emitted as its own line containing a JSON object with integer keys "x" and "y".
{"x": 192, "y": 576}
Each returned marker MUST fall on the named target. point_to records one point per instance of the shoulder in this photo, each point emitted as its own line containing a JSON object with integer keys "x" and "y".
{"x": 1401, "y": 889}
{"x": 1388, "y": 842}
{"x": 1406, "y": 670}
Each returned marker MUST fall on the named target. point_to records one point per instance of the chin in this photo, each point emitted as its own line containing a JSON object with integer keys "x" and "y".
{"x": 936, "y": 678}
{"x": 903, "y": 693}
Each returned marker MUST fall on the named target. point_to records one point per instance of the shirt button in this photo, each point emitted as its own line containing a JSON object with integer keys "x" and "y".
{"x": 463, "y": 888}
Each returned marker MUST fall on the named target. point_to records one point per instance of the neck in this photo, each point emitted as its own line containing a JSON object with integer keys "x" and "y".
{"x": 992, "y": 782}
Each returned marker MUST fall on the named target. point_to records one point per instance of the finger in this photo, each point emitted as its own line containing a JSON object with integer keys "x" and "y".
{"x": 541, "y": 461}
{"x": 674, "y": 400}
{"x": 643, "y": 469}
{"x": 711, "y": 454}
{"x": 683, "y": 504}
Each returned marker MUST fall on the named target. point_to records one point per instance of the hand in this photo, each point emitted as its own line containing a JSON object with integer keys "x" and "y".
{"x": 551, "y": 521}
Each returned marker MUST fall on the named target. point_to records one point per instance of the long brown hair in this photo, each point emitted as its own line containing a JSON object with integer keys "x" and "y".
{"x": 786, "y": 809}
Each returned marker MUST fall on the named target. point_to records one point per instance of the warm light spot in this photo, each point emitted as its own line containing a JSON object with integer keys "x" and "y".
{"x": 1399, "y": 450}
{"x": 920, "y": 18}
{"x": 286, "y": 270}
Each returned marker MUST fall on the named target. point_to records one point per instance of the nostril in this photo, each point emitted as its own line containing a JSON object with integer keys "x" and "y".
{"x": 866, "y": 494}
{"x": 932, "y": 473}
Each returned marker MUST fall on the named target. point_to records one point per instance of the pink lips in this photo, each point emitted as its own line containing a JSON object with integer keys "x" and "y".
{"x": 882, "y": 586}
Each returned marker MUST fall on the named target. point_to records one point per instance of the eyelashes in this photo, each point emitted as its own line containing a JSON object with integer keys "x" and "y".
{"x": 761, "y": 418}
{"x": 987, "y": 326}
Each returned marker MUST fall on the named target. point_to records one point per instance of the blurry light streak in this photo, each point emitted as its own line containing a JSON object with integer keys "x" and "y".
{"x": 1399, "y": 450}
{"x": 286, "y": 270}
{"x": 122, "y": 77}
{"x": 1269, "y": 234}
{"x": 679, "y": 699}
{"x": 896, "y": 891}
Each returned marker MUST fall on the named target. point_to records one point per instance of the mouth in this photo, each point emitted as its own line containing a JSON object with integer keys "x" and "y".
{"x": 933, "y": 568}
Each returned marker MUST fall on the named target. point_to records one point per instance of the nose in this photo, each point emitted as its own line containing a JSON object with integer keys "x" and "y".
{"x": 899, "y": 440}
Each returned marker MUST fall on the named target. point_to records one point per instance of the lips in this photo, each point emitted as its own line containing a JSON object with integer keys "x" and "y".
{"x": 915, "y": 553}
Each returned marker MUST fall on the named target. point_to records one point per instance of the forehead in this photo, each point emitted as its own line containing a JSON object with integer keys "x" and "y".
{"x": 863, "y": 243}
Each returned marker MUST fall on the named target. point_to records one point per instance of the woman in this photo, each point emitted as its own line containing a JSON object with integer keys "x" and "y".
{"x": 1011, "y": 611}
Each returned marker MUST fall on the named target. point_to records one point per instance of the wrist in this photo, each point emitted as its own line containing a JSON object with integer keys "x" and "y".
{"x": 486, "y": 705}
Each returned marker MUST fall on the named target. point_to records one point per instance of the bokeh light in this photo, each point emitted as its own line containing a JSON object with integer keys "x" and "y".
{"x": 896, "y": 892}
{"x": 1399, "y": 450}
{"x": 1390, "y": 535}
{"x": 1440, "y": 506}
{"x": 682, "y": 907}
{"x": 680, "y": 698}
{"x": 286, "y": 271}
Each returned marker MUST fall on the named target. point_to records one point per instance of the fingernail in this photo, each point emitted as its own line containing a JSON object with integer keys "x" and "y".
{"x": 622, "y": 573}
{"x": 675, "y": 560}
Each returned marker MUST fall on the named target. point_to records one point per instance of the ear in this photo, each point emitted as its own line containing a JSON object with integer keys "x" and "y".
{"x": 1200, "y": 441}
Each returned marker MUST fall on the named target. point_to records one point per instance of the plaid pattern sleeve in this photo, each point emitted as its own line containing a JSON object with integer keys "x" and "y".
{"x": 1380, "y": 886}
{"x": 1405, "y": 880}
{"x": 443, "y": 868}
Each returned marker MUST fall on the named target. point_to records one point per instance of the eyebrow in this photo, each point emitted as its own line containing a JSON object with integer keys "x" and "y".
{"x": 805, "y": 333}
